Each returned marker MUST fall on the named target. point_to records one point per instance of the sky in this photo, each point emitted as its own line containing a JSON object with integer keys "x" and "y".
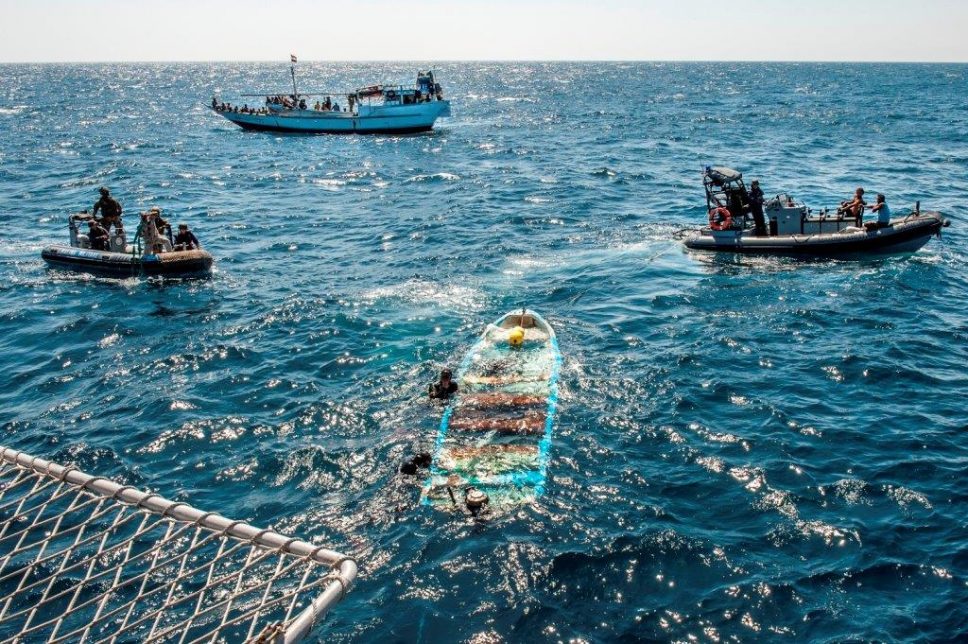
{"x": 435, "y": 30}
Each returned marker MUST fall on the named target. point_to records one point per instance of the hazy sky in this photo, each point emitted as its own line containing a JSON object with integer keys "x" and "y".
{"x": 432, "y": 30}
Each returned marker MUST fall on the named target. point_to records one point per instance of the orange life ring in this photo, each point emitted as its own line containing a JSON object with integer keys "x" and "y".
{"x": 720, "y": 224}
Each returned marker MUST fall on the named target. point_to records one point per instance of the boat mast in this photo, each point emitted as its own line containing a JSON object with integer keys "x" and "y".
{"x": 292, "y": 71}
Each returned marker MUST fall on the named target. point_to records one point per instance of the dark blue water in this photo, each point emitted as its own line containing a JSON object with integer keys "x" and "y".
{"x": 747, "y": 448}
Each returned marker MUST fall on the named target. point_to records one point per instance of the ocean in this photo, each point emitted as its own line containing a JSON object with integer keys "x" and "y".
{"x": 746, "y": 449}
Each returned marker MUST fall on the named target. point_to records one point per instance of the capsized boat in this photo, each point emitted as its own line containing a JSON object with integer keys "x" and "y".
{"x": 377, "y": 109}
{"x": 150, "y": 254}
{"x": 494, "y": 440}
{"x": 793, "y": 229}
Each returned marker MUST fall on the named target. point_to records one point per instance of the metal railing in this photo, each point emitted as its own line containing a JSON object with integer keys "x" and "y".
{"x": 83, "y": 558}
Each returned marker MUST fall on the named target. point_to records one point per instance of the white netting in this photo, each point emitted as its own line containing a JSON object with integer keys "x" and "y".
{"x": 83, "y": 559}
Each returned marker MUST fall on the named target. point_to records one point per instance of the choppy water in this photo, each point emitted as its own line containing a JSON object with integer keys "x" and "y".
{"x": 747, "y": 449}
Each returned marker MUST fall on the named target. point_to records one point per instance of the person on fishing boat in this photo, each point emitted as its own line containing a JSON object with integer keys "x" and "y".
{"x": 110, "y": 209}
{"x": 444, "y": 388}
{"x": 98, "y": 236}
{"x": 186, "y": 239}
{"x": 883, "y": 211}
{"x": 756, "y": 208}
{"x": 855, "y": 206}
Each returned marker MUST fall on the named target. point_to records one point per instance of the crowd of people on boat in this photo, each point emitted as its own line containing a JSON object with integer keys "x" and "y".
{"x": 293, "y": 101}
{"x": 99, "y": 229}
{"x": 245, "y": 109}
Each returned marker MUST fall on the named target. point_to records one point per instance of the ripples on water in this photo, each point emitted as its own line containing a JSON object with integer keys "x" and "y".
{"x": 746, "y": 448}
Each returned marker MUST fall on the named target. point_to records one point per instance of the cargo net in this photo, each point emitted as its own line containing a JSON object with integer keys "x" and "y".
{"x": 84, "y": 559}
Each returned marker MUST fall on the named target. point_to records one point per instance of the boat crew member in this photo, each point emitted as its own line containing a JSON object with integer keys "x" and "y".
{"x": 883, "y": 212}
{"x": 855, "y": 206}
{"x": 110, "y": 209}
{"x": 186, "y": 239}
{"x": 161, "y": 224}
{"x": 445, "y": 388}
{"x": 214, "y": 103}
{"x": 756, "y": 208}
{"x": 97, "y": 235}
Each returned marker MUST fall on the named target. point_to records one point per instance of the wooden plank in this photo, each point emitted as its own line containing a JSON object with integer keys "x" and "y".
{"x": 500, "y": 400}
{"x": 532, "y": 424}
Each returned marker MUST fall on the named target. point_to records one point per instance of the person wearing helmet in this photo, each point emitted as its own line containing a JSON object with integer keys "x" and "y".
{"x": 110, "y": 209}
{"x": 97, "y": 235}
{"x": 444, "y": 388}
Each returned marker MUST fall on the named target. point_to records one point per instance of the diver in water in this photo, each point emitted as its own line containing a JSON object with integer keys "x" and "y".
{"x": 444, "y": 388}
{"x": 420, "y": 461}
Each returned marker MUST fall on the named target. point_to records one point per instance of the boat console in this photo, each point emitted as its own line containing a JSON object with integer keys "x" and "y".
{"x": 787, "y": 217}
{"x": 79, "y": 239}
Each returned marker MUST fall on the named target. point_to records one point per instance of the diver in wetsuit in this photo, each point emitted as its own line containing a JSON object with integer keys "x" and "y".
{"x": 110, "y": 209}
{"x": 443, "y": 389}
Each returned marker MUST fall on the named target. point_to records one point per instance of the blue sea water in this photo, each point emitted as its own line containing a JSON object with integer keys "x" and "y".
{"x": 746, "y": 449}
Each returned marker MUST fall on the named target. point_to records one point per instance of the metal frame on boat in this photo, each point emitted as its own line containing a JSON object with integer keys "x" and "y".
{"x": 83, "y": 558}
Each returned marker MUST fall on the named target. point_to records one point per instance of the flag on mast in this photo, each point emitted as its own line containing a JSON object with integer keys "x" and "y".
{"x": 292, "y": 57}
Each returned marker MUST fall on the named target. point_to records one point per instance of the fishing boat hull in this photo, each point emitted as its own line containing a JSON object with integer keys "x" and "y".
{"x": 903, "y": 235}
{"x": 188, "y": 263}
{"x": 495, "y": 436}
{"x": 398, "y": 119}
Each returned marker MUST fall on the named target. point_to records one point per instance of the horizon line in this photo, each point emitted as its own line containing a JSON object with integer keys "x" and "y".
{"x": 496, "y": 60}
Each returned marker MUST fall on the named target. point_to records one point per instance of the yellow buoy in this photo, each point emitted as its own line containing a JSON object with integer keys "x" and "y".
{"x": 516, "y": 337}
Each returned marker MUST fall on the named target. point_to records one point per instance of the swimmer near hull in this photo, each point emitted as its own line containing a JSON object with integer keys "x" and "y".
{"x": 188, "y": 263}
{"x": 494, "y": 440}
{"x": 902, "y": 235}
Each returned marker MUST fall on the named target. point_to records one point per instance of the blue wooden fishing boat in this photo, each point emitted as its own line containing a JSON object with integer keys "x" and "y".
{"x": 377, "y": 109}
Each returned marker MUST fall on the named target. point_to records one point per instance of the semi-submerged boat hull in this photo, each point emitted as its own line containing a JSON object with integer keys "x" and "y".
{"x": 406, "y": 119}
{"x": 495, "y": 436}
{"x": 187, "y": 263}
{"x": 903, "y": 235}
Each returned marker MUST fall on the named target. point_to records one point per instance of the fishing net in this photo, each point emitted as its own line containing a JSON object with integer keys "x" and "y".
{"x": 84, "y": 559}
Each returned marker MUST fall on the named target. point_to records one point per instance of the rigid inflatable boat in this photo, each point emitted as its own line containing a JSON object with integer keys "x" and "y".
{"x": 790, "y": 228}
{"x": 150, "y": 254}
